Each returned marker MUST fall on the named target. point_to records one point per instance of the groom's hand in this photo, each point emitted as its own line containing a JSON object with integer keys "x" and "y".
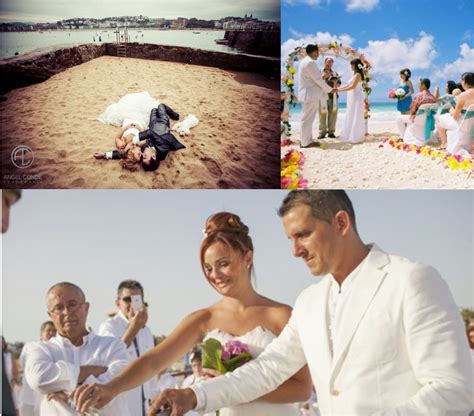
{"x": 180, "y": 401}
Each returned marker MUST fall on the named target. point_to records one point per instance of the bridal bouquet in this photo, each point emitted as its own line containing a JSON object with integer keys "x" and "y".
{"x": 224, "y": 358}
{"x": 397, "y": 93}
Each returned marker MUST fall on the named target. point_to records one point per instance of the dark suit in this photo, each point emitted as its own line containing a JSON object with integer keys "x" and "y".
{"x": 8, "y": 408}
{"x": 158, "y": 134}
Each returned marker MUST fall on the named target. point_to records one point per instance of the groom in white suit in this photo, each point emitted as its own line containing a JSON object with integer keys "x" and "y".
{"x": 312, "y": 93}
{"x": 380, "y": 333}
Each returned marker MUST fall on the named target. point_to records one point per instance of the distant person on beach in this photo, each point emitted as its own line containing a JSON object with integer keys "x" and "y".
{"x": 30, "y": 400}
{"x": 129, "y": 325}
{"x": 74, "y": 356}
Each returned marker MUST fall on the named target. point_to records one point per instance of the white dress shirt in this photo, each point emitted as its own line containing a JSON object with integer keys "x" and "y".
{"x": 116, "y": 327}
{"x": 338, "y": 300}
{"x": 54, "y": 366}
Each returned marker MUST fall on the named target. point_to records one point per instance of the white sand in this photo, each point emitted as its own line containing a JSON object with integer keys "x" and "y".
{"x": 341, "y": 165}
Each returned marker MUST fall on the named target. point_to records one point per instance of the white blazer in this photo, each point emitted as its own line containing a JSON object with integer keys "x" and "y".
{"x": 311, "y": 86}
{"x": 402, "y": 349}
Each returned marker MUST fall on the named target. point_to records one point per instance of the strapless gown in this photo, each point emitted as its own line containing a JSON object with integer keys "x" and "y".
{"x": 257, "y": 339}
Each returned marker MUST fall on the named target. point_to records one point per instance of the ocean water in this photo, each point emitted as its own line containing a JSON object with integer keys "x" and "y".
{"x": 380, "y": 112}
{"x": 23, "y": 42}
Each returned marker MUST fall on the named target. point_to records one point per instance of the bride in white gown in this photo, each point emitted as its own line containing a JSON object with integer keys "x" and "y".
{"x": 241, "y": 313}
{"x": 354, "y": 124}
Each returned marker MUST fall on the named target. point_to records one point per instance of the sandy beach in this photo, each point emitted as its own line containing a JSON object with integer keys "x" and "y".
{"x": 366, "y": 166}
{"x": 234, "y": 146}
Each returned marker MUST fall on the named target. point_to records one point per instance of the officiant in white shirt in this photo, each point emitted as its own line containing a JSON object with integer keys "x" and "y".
{"x": 381, "y": 334}
{"x": 74, "y": 356}
{"x": 129, "y": 325}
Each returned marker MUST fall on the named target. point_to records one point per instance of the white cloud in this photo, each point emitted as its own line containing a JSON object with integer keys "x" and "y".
{"x": 468, "y": 35}
{"x": 361, "y": 5}
{"x": 454, "y": 70}
{"x": 319, "y": 38}
{"x": 388, "y": 57}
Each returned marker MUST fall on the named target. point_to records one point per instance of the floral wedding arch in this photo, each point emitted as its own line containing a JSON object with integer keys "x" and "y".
{"x": 288, "y": 97}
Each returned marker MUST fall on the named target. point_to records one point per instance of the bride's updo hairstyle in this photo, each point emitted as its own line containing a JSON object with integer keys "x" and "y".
{"x": 228, "y": 229}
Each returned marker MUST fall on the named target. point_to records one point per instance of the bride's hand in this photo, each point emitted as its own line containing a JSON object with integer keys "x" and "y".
{"x": 94, "y": 394}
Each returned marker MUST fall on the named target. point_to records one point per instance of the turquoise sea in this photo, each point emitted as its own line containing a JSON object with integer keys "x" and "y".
{"x": 380, "y": 112}
{"x": 12, "y": 43}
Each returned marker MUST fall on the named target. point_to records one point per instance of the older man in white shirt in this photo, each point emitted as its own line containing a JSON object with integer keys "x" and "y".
{"x": 381, "y": 334}
{"x": 74, "y": 356}
{"x": 129, "y": 325}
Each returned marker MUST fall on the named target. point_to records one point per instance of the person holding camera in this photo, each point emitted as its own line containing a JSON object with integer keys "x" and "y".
{"x": 129, "y": 325}
{"x": 327, "y": 120}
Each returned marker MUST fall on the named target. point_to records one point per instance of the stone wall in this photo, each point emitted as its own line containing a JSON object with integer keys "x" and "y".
{"x": 24, "y": 70}
{"x": 235, "y": 62}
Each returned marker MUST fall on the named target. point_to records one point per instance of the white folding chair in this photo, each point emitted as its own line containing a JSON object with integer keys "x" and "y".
{"x": 415, "y": 132}
{"x": 460, "y": 140}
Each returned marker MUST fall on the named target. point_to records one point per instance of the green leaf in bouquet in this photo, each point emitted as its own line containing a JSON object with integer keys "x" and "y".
{"x": 237, "y": 361}
{"x": 212, "y": 355}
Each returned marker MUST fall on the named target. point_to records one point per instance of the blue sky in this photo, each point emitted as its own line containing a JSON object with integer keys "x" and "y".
{"x": 97, "y": 238}
{"x": 432, "y": 37}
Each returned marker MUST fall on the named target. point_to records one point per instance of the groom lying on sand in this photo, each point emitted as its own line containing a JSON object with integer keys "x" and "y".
{"x": 381, "y": 334}
{"x": 154, "y": 143}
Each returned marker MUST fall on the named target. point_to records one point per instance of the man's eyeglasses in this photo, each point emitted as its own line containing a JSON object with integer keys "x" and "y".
{"x": 128, "y": 299}
{"x": 70, "y": 306}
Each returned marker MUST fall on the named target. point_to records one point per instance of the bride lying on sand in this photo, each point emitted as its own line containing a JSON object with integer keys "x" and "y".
{"x": 129, "y": 153}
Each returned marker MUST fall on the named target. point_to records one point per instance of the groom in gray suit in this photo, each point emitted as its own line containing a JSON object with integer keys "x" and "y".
{"x": 381, "y": 334}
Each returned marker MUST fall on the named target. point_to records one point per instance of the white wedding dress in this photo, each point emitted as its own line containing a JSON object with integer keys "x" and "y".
{"x": 257, "y": 339}
{"x": 134, "y": 107}
{"x": 354, "y": 124}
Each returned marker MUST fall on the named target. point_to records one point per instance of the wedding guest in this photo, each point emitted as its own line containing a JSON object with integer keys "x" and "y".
{"x": 129, "y": 325}
{"x": 11, "y": 371}
{"x": 74, "y": 356}
{"x": 30, "y": 400}
{"x": 196, "y": 366}
{"x": 452, "y": 120}
{"x": 403, "y": 104}
{"x": 227, "y": 261}
{"x": 327, "y": 120}
{"x": 423, "y": 97}
{"x": 312, "y": 91}
{"x": 382, "y": 335}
